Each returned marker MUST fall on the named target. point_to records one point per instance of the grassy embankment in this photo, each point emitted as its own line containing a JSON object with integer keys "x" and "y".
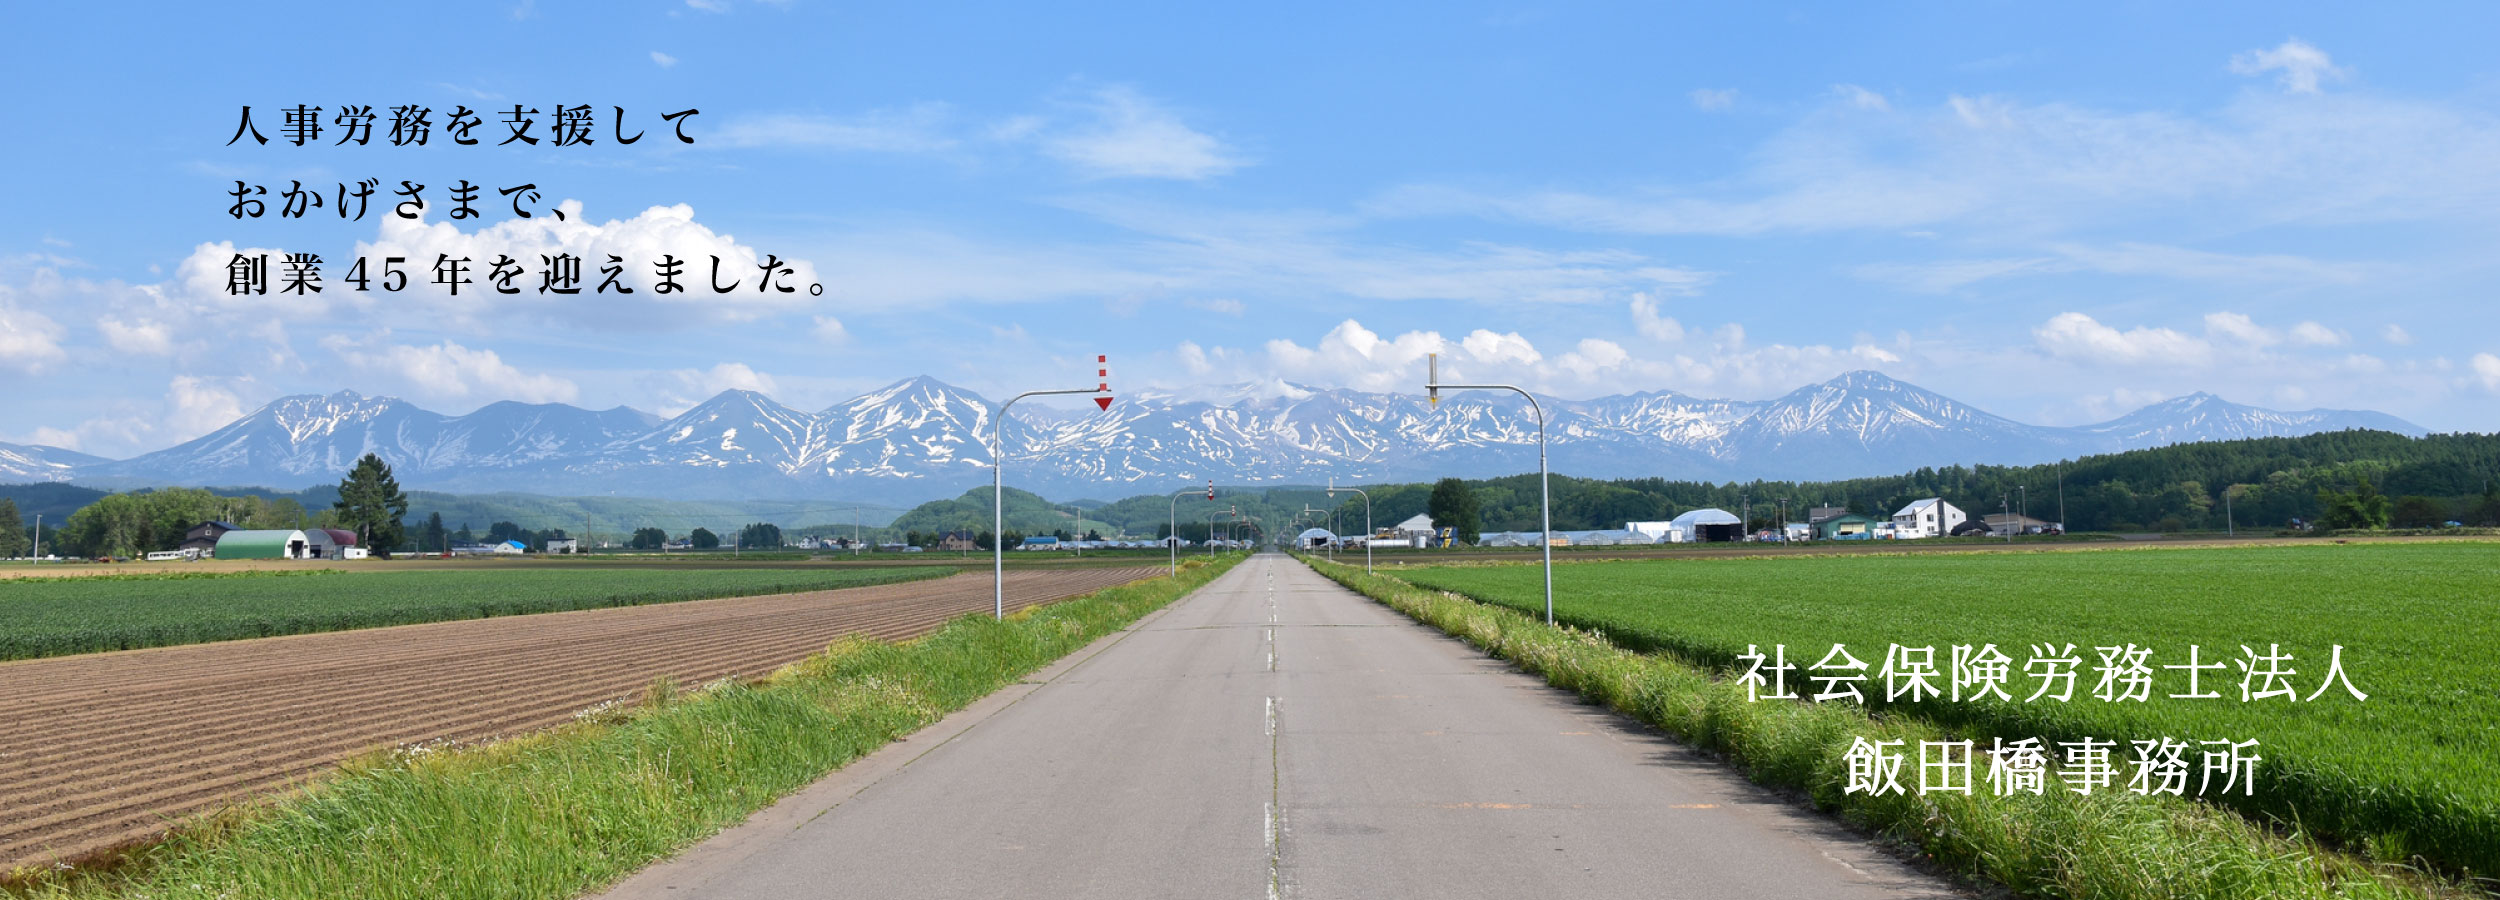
{"x": 2106, "y": 846}
{"x": 2407, "y": 775}
{"x": 560, "y": 813}
{"x": 60, "y": 616}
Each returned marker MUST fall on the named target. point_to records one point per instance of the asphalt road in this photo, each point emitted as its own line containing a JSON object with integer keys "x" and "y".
{"x": 1277, "y": 735}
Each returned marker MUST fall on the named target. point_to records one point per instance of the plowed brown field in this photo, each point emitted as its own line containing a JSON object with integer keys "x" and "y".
{"x": 107, "y": 750}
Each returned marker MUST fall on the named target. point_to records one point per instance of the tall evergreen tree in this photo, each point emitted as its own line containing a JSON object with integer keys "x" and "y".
{"x": 433, "y": 537}
{"x": 13, "y": 534}
{"x": 372, "y": 505}
{"x": 1453, "y": 505}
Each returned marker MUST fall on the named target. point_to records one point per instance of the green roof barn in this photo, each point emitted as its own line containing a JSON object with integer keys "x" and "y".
{"x": 262, "y": 545}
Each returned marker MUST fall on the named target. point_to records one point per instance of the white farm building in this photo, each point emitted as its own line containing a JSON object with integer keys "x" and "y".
{"x": 1927, "y": 518}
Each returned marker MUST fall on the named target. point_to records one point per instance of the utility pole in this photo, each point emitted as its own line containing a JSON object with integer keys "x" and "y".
{"x": 2005, "y": 503}
{"x": 1544, "y": 477}
{"x": 1368, "y": 535}
{"x": 998, "y": 482}
{"x": 37, "y": 556}
{"x": 1172, "y": 528}
{"x": 2229, "y": 528}
{"x": 2061, "y": 499}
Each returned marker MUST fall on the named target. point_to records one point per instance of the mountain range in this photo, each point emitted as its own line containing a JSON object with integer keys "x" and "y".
{"x": 921, "y": 439}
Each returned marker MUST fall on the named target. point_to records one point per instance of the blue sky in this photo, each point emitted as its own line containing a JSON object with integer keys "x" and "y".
{"x": 2057, "y": 214}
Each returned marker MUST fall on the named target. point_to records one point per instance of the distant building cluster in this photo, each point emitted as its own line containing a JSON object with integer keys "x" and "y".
{"x": 1931, "y": 517}
{"x": 222, "y": 540}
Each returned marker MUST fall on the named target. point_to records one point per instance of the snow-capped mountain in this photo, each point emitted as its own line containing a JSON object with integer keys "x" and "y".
{"x": 297, "y": 441}
{"x": 2204, "y": 417}
{"x": 1831, "y": 427}
{"x": 920, "y": 439}
{"x": 29, "y": 463}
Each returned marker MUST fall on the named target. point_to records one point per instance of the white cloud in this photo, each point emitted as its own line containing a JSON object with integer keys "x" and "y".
{"x": 30, "y": 341}
{"x": 2231, "y": 340}
{"x": 2005, "y": 169}
{"x": 140, "y": 337}
{"x": 1713, "y": 99}
{"x": 2396, "y": 334}
{"x": 1861, "y": 98}
{"x": 197, "y": 406}
{"x": 2078, "y": 336}
{"x": 2302, "y": 66}
{"x": 1194, "y": 358}
{"x": 192, "y": 405}
{"x": 1353, "y": 356}
{"x": 829, "y": 330}
{"x": 1133, "y": 137}
{"x": 1651, "y": 325}
{"x": 665, "y": 60}
{"x": 2238, "y": 326}
{"x": 449, "y": 372}
{"x": 712, "y": 6}
{"x": 1485, "y": 345}
{"x": 1592, "y": 358}
{"x": 1358, "y": 357}
{"x": 2487, "y": 370}
{"x": 2316, "y": 335}
{"x": 2126, "y": 258}
{"x": 1220, "y": 305}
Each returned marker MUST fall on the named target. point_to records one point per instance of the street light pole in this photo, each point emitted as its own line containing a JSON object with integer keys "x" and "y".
{"x": 1544, "y": 480}
{"x": 1172, "y": 531}
{"x": 998, "y": 495}
{"x": 1367, "y": 520}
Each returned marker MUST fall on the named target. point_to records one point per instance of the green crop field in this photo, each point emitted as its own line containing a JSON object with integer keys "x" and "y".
{"x": 2413, "y": 771}
{"x": 61, "y": 616}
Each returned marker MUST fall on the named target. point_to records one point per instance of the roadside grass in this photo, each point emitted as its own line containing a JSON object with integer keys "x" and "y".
{"x": 2408, "y": 773}
{"x": 42, "y": 617}
{"x": 570, "y": 810}
{"x": 2106, "y": 846}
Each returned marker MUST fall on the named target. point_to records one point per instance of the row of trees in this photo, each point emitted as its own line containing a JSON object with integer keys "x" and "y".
{"x": 128, "y": 524}
{"x": 2263, "y": 483}
{"x": 135, "y": 522}
{"x": 16, "y": 537}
